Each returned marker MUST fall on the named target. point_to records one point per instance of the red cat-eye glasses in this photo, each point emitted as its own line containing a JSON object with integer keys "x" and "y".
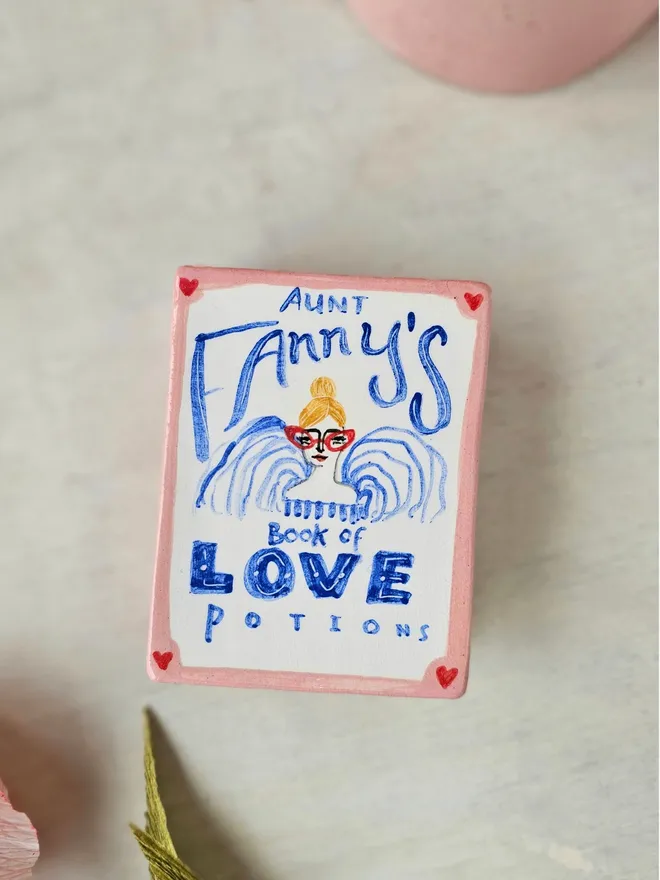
{"x": 330, "y": 441}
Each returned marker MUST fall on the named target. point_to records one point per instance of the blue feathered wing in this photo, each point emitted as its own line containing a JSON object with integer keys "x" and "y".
{"x": 392, "y": 470}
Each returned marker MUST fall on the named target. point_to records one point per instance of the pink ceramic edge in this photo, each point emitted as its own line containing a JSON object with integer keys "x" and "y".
{"x": 593, "y": 44}
{"x": 160, "y": 639}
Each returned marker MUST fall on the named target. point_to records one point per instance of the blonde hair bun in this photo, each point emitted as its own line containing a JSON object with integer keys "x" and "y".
{"x": 323, "y": 403}
{"x": 323, "y": 387}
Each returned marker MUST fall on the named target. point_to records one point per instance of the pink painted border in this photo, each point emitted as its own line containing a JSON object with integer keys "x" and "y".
{"x": 458, "y": 647}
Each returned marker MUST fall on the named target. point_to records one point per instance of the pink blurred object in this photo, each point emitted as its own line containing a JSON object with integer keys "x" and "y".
{"x": 514, "y": 46}
{"x": 19, "y": 847}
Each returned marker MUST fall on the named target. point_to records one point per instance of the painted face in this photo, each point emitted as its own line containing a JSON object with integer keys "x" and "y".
{"x": 321, "y": 443}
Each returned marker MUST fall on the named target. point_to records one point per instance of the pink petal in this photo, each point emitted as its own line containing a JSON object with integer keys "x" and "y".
{"x": 19, "y": 847}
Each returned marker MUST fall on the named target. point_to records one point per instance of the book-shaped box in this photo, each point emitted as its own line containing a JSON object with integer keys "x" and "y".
{"x": 318, "y": 512}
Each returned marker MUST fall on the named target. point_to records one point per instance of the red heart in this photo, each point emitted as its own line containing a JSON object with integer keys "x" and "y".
{"x": 188, "y": 286}
{"x": 445, "y": 676}
{"x": 163, "y": 660}
{"x": 474, "y": 300}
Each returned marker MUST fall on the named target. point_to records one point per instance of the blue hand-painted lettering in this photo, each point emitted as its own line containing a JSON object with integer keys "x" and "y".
{"x": 313, "y": 537}
{"x": 203, "y": 576}
{"x": 198, "y": 390}
{"x": 327, "y": 341}
{"x": 319, "y": 303}
{"x": 330, "y": 342}
{"x": 326, "y": 584}
{"x": 384, "y": 572}
{"x": 214, "y": 615}
{"x": 339, "y": 306}
{"x": 257, "y": 579}
{"x": 443, "y": 400}
{"x": 255, "y": 357}
{"x": 294, "y": 347}
{"x": 392, "y": 349}
{"x": 296, "y": 621}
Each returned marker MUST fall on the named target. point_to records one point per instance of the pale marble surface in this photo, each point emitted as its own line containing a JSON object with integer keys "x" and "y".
{"x": 137, "y": 136}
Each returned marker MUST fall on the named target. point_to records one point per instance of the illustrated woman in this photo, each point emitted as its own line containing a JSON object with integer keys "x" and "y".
{"x": 322, "y": 435}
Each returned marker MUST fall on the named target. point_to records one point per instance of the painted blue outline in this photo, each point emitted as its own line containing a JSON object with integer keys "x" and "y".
{"x": 442, "y": 396}
{"x": 319, "y": 303}
{"x": 291, "y": 298}
{"x": 361, "y": 475}
{"x": 394, "y": 357}
{"x": 256, "y": 355}
{"x": 328, "y": 336}
{"x": 334, "y": 304}
{"x": 392, "y": 471}
{"x": 295, "y": 340}
{"x": 198, "y": 391}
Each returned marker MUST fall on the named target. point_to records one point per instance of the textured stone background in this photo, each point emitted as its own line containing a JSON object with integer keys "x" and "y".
{"x": 135, "y": 136}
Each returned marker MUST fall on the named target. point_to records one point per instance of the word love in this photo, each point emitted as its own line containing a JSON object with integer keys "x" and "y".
{"x": 266, "y": 341}
{"x": 215, "y": 615}
{"x": 270, "y": 574}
